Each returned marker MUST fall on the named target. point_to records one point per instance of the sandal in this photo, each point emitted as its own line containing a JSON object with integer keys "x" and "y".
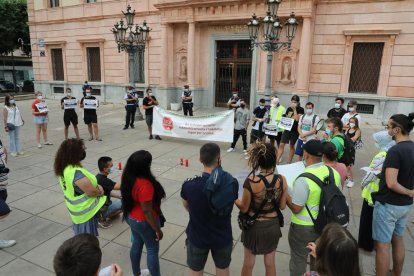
{"x": 90, "y": 139}
{"x": 98, "y": 139}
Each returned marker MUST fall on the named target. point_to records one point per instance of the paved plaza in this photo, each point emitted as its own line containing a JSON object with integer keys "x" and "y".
{"x": 40, "y": 222}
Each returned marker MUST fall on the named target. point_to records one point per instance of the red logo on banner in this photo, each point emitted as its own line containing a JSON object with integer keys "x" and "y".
{"x": 167, "y": 123}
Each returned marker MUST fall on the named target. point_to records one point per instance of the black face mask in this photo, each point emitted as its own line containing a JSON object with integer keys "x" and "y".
{"x": 83, "y": 155}
{"x": 242, "y": 105}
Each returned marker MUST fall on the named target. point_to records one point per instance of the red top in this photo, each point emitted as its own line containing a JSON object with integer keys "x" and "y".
{"x": 143, "y": 191}
{"x": 36, "y": 109}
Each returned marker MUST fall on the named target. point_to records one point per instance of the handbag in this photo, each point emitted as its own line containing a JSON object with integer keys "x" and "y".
{"x": 358, "y": 144}
{"x": 11, "y": 126}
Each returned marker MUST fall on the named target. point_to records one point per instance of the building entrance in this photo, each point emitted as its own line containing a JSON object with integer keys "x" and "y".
{"x": 233, "y": 70}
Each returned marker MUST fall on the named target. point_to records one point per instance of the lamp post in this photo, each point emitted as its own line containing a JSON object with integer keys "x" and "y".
{"x": 132, "y": 43}
{"x": 272, "y": 28}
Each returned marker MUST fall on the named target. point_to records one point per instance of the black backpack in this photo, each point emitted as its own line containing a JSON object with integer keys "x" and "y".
{"x": 349, "y": 150}
{"x": 333, "y": 206}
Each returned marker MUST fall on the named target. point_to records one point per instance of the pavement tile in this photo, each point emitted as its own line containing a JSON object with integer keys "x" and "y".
{"x": 44, "y": 180}
{"x": 5, "y": 258}
{"x": 22, "y": 267}
{"x": 13, "y": 218}
{"x": 20, "y": 190}
{"x": 58, "y": 213}
{"x": 38, "y": 202}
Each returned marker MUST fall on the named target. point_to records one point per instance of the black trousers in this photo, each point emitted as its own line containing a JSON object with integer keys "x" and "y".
{"x": 130, "y": 115}
{"x": 188, "y": 109}
{"x": 236, "y": 136}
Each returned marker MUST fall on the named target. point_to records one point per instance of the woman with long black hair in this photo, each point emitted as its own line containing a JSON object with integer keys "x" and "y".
{"x": 141, "y": 202}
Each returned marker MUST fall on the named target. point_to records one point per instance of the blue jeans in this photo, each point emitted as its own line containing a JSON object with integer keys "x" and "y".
{"x": 14, "y": 140}
{"x": 115, "y": 206}
{"x": 142, "y": 233}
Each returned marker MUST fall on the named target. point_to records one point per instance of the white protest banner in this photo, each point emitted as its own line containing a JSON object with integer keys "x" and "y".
{"x": 42, "y": 107}
{"x": 213, "y": 127}
{"x": 286, "y": 123}
{"x": 291, "y": 172}
{"x": 271, "y": 130}
{"x": 90, "y": 104}
{"x": 70, "y": 104}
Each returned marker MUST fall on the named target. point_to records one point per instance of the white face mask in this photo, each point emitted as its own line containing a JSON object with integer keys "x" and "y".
{"x": 377, "y": 145}
{"x": 351, "y": 125}
{"x": 39, "y": 97}
{"x": 351, "y": 109}
{"x": 235, "y": 95}
{"x": 337, "y": 105}
{"x": 150, "y": 94}
{"x": 69, "y": 94}
{"x": 11, "y": 101}
{"x": 88, "y": 94}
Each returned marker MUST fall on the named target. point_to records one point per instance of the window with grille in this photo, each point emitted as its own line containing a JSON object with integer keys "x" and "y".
{"x": 57, "y": 64}
{"x": 58, "y": 89}
{"x": 365, "y": 69}
{"x": 94, "y": 64}
{"x": 54, "y": 3}
{"x": 365, "y": 108}
{"x": 90, "y": 1}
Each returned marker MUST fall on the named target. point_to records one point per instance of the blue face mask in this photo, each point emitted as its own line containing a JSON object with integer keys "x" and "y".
{"x": 309, "y": 111}
{"x": 328, "y": 132}
{"x": 111, "y": 170}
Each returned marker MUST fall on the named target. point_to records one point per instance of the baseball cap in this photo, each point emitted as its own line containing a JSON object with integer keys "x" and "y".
{"x": 314, "y": 147}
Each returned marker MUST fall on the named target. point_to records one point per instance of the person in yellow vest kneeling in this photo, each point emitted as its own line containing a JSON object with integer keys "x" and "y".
{"x": 83, "y": 196}
{"x": 370, "y": 184}
{"x": 306, "y": 194}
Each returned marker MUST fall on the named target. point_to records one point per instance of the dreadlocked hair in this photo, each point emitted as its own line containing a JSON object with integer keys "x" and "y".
{"x": 262, "y": 155}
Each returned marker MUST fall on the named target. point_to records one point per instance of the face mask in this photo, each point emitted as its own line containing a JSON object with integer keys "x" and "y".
{"x": 186, "y": 90}
{"x": 69, "y": 94}
{"x": 261, "y": 106}
{"x": 377, "y": 145}
{"x": 150, "y": 94}
{"x": 39, "y": 97}
{"x": 309, "y": 111}
{"x": 235, "y": 95}
{"x": 351, "y": 109}
{"x": 337, "y": 105}
{"x": 328, "y": 132}
{"x": 83, "y": 155}
{"x": 242, "y": 105}
{"x": 11, "y": 101}
{"x": 88, "y": 94}
{"x": 111, "y": 170}
{"x": 352, "y": 125}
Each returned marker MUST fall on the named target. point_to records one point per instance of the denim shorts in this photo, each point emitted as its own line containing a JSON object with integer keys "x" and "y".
{"x": 40, "y": 120}
{"x": 389, "y": 220}
{"x": 197, "y": 257}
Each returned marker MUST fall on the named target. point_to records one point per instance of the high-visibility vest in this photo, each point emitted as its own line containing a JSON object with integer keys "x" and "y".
{"x": 81, "y": 207}
{"x": 372, "y": 186}
{"x": 303, "y": 218}
{"x": 279, "y": 113}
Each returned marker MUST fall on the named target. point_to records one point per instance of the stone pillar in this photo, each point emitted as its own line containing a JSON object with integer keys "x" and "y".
{"x": 191, "y": 54}
{"x": 164, "y": 55}
{"x": 304, "y": 57}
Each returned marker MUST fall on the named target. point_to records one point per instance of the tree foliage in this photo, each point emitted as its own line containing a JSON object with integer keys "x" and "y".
{"x": 13, "y": 25}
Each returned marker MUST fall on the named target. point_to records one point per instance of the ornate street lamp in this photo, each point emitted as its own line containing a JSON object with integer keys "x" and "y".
{"x": 272, "y": 28}
{"x": 132, "y": 43}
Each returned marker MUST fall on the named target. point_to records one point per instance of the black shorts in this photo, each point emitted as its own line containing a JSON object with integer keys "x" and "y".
{"x": 197, "y": 257}
{"x": 90, "y": 118}
{"x": 148, "y": 120}
{"x": 289, "y": 137}
{"x": 70, "y": 118}
{"x": 4, "y": 208}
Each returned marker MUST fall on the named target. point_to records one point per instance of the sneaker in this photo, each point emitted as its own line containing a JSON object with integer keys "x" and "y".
{"x": 125, "y": 128}
{"x": 98, "y": 139}
{"x": 145, "y": 272}
{"x": 6, "y": 243}
{"x": 20, "y": 153}
{"x": 48, "y": 143}
{"x": 90, "y": 138}
{"x": 230, "y": 150}
{"x": 39, "y": 146}
{"x": 151, "y": 137}
{"x": 245, "y": 152}
{"x": 132, "y": 126}
{"x": 157, "y": 137}
{"x": 104, "y": 224}
{"x": 246, "y": 157}
{"x": 350, "y": 184}
{"x": 13, "y": 154}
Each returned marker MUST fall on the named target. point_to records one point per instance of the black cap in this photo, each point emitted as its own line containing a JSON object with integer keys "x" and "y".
{"x": 314, "y": 147}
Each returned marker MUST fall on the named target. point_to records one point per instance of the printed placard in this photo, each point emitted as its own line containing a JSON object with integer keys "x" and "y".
{"x": 90, "y": 104}
{"x": 42, "y": 107}
{"x": 271, "y": 130}
{"x": 286, "y": 123}
{"x": 70, "y": 104}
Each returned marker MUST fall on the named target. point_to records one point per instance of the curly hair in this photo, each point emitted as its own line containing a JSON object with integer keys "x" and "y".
{"x": 70, "y": 152}
{"x": 262, "y": 155}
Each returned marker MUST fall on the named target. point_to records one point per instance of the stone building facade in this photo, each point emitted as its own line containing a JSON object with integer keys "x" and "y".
{"x": 356, "y": 49}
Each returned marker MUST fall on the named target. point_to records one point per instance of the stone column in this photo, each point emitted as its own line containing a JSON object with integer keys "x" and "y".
{"x": 304, "y": 57}
{"x": 164, "y": 55}
{"x": 191, "y": 54}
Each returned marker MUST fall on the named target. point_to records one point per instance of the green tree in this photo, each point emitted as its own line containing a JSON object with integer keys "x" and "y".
{"x": 13, "y": 25}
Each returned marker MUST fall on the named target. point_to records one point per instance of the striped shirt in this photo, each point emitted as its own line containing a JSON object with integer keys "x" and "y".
{"x": 3, "y": 176}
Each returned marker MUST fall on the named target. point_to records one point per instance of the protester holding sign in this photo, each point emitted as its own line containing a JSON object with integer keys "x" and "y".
{"x": 275, "y": 114}
{"x": 12, "y": 122}
{"x": 40, "y": 118}
{"x": 259, "y": 117}
{"x": 89, "y": 105}
{"x": 148, "y": 104}
{"x": 69, "y": 104}
{"x": 290, "y": 137}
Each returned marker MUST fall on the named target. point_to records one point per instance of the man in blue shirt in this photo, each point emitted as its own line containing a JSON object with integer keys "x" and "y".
{"x": 206, "y": 231}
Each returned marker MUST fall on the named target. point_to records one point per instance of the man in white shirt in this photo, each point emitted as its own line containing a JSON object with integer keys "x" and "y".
{"x": 352, "y": 107}
{"x": 306, "y": 128}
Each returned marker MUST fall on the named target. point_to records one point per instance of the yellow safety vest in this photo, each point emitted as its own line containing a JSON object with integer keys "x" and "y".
{"x": 280, "y": 112}
{"x": 81, "y": 207}
{"x": 372, "y": 186}
{"x": 303, "y": 218}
